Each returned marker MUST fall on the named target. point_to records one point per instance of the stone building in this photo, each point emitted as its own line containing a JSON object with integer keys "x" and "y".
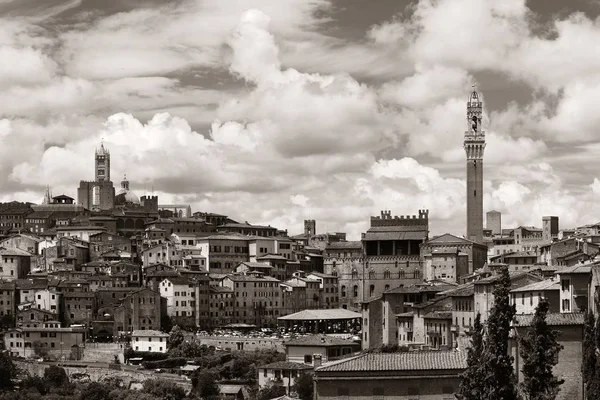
{"x": 14, "y": 264}
{"x": 345, "y": 260}
{"x": 257, "y": 298}
{"x": 392, "y": 252}
{"x": 447, "y": 244}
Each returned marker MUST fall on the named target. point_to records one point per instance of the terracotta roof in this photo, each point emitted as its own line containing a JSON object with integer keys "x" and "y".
{"x": 311, "y": 315}
{"x": 14, "y": 252}
{"x": 396, "y": 235}
{"x": 465, "y": 290}
{"x": 286, "y": 365}
{"x": 179, "y": 281}
{"x": 319, "y": 341}
{"x": 271, "y": 257}
{"x": 252, "y": 278}
{"x": 576, "y": 269}
{"x": 438, "y": 315}
{"x": 149, "y": 333}
{"x": 405, "y": 361}
{"x": 344, "y": 245}
{"x": 552, "y": 319}
{"x": 447, "y": 238}
{"x": 548, "y": 284}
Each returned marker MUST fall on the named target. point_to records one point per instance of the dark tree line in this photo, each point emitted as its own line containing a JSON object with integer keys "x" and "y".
{"x": 490, "y": 373}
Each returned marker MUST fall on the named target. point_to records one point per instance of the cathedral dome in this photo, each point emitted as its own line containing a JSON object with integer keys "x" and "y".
{"x": 126, "y": 196}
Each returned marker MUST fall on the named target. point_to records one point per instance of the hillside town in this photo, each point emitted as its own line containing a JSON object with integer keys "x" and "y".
{"x": 116, "y": 282}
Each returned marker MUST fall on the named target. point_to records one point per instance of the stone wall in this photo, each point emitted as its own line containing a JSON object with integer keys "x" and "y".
{"x": 241, "y": 343}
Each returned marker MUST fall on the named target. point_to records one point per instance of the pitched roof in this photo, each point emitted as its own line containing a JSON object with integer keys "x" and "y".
{"x": 150, "y": 333}
{"x": 251, "y": 278}
{"x": 14, "y": 252}
{"x": 448, "y": 238}
{"x": 286, "y": 365}
{"x": 552, "y": 319}
{"x": 311, "y": 315}
{"x": 179, "y": 280}
{"x": 319, "y": 341}
{"x": 344, "y": 245}
{"x": 271, "y": 257}
{"x": 576, "y": 269}
{"x": 396, "y": 235}
{"x": 548, "y": 284}
{"x": 404, "y": 361}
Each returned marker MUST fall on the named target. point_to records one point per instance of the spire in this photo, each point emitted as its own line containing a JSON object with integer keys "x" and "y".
{"x": 47, "y": 196}
{"x": 125, "y": 183}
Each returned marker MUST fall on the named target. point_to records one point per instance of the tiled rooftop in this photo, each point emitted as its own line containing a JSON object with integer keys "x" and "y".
{"x": 286, "y": 365}
{"x": 552, "y": 319}
{"x": 548, "y": 284}
{"x": 149, "y": 333}
{"x": 319, "y": 341}
{"x": 406, "y": 361}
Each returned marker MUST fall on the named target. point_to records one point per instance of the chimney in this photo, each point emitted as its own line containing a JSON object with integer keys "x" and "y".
{"x": 317, "y": 360}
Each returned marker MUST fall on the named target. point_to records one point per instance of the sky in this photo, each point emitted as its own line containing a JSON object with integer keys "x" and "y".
{"x": 276, "y": 111}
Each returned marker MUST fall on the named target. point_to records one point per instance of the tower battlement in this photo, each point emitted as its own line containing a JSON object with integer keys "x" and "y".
{"x": 387, "y": 219}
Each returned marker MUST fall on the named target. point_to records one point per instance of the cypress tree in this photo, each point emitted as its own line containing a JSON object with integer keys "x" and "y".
{"x": 589, "y": 353}
{"x": 499, "y": 375}
{"x": 471, "y": 385}
{"x": 539, "y": 351}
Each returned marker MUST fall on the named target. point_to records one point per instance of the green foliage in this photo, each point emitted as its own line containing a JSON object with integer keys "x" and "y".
{"x": 191, "y": 349}
{"x": 146, "y": 355}
{"x": 176, "y": 338}
{"x": 304, "y": 386}
{"x": 205, "y": 384}
{"x": 165, "y": 323}
{"x": 39, "y": 349}
{"x": 55, "y": 376}
{"x": 8, "y": 371}
{"x": 270, "y": 392}
{"x": 168, "y": 363}
{"x": 163, "y": 389}
{"x": 95, "y": 391}
{"x": 471, "y": 385}
{"x": 34, "y": 383}
{"x": 539, "y": 350}
{"x": 499, "y": 375}
{"x": 589, "y": 350}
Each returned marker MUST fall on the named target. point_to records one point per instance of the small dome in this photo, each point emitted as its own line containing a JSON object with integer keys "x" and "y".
{"x": 126, "y": 197}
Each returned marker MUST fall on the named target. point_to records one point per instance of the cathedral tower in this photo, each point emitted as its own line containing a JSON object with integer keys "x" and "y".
{"x": 102, "y": 164}
{"x": 474, "y": 146}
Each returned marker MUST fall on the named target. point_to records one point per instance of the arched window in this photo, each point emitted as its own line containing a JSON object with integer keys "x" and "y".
{"x": 334, "y": 273}
{"x": 343, "y": 291}
{"x": 387, "y": 287}
{"x": 401, "y": 274}
{"x": 371, "y": 274}
{"x": 387, "y": 274}
{"x": 355, "y": 291}
{"x": 354, "y": 274}
{"x": 371, "y": 290}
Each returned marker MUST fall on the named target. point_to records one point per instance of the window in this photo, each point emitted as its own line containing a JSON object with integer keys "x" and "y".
{"x": 355, "y": 291}
{"x": 371, "y": 274}
{"x": 307, "y": 359}
{"x": 343, "y": 291}
{"x": 371, "y": 290}
{"x": 387, "y": 274}
{"x": 566, "y": 305}
{"x": 354, "y": 274}
{"x": 565, "y": 284}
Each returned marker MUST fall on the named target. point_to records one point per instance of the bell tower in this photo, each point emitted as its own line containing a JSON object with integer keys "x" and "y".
{"x": 102, "y": 172}
{"x": 474, "y": 145}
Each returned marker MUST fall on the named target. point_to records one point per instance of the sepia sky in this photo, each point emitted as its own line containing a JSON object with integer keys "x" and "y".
{"x": 275, "y": 111}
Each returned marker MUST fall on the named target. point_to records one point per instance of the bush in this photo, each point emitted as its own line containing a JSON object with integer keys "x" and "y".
{"x": 146, "y": 355}
{"x": 56, "y": 376}
{"x": 168, "y": 363}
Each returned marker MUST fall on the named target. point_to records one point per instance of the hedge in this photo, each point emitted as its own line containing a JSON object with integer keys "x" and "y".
{"x": 146, "y": 355}
{"x": 168, "y": 363}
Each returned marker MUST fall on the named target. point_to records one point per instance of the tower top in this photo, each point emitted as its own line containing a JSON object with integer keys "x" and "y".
{"x": 125, "y": 183}
{"x": 102, "y": 151}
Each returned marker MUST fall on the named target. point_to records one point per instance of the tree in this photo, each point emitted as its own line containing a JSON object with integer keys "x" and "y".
{"x": 164, "y": 389}
{"x": 56, "y": 376}
{"x": 589, "y": 353}
{"x": 34, "y": 382}
{"x": 165, "y": 323}
{"x": 498, "y": 373}
{"x": 39, "y": 349}
{"x": 304, "y": 386}
{"x": 176, "y": 338}
{"x": 471, "y": 385}
{"x": 8, "y": 371}
{"x": 95, "y": 391}
{"x": 205, "y": 384}
{"x": 271, "y": 392}
{"x": 539, "y": 350}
